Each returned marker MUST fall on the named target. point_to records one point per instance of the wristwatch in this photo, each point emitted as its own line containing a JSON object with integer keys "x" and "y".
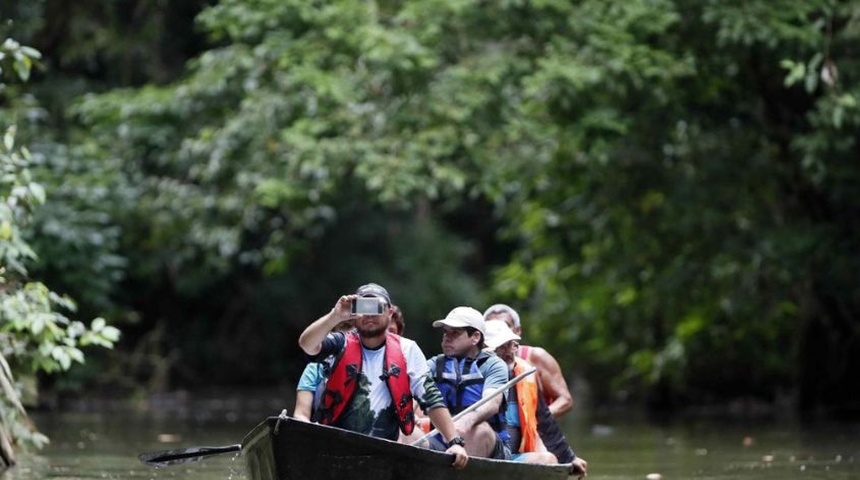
{"x": 458, "y": 440}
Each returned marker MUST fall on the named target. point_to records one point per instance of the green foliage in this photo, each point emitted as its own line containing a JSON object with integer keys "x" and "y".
{"x": 77, "y": 233}
{"x": 93, "y": 44}
{"x": 34, "y": 335}
{"x": 633, "y": 149}
{"x": 17, "y": 58}
{"x": 42, "y": 340}
{"x": 264, "y": 134}
{"x": 674, "y": 235}
{"x": 673, "y": 181}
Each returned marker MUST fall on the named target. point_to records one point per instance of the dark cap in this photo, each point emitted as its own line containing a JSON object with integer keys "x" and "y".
{"x": 374, "y": 290}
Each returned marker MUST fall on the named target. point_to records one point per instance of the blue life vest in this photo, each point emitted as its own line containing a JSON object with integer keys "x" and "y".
{"x": 462, "y": 384}
{"x": 460, "y": 380}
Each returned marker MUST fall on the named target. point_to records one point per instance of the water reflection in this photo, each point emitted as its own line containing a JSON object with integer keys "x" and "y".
{"x": 722, "y": 450}
{"x": 105, "y": 443}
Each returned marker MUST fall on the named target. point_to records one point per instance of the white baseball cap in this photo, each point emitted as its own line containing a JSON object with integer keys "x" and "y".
{"x": 498, "y": 334}
{"x": 462, "y": 317}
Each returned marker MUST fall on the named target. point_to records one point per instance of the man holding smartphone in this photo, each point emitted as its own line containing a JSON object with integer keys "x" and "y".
{"x": 373, "y": 376}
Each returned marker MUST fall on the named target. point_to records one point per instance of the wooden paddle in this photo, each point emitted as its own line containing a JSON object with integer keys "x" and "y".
{"x": 165, "y": 458}
{"x": 480, "y": 402}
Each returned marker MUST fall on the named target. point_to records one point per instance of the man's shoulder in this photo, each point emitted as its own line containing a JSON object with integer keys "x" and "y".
{"x": 332, "y": 345}
{"x": 537, "y": 354}
{"x": 436, "y": 357}
{"x": 407, "y": 342}
{"x": 412, "y": 353}
{"x": 492, "y": 358}
{"x": 493, "y": 362}
{"x": 409, "y": 346}
{"x": 546, "y": 364}
{"x": 495, "y": 371}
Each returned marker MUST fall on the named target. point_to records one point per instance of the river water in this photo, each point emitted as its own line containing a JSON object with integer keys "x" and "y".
{"x": 103, "y": 442}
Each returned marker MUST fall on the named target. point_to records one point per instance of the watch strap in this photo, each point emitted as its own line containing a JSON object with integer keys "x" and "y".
{"x": 458, "y": 440}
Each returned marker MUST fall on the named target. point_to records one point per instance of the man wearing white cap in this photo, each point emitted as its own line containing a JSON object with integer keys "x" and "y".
{"x": 552, "y": 381}
{"x": 465, "y": 373}
{"x": 535, "y": 436}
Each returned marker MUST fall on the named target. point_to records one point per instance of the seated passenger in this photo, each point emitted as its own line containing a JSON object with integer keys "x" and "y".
{"x": 312, "y": 382}
{"x": 555, "y": 389}
{"x": 398, "y": 323}
{"x": 535, "y": 436}
{"x": 464, "y": 374}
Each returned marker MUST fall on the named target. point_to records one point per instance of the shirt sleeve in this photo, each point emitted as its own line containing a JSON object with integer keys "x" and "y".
{"x": 416, "y": 366}
{"x": 421, "y": 381}
{"x": 311, "y": 377}
{"x": 495, "y": 373}
{"x": 432, "y": 397}
{"x": 332, "y": 345}
{"x": 431, "y": 366}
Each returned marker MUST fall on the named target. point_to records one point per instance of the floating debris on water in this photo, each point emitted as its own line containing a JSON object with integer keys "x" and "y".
{"x": 169, "y": 437}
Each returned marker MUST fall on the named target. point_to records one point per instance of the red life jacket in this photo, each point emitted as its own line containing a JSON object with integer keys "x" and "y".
{"x": 345, "y": 373}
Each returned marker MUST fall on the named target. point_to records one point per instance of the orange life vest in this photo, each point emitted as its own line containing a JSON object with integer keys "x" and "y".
{"x": 527, "y": 404}
{"x": 523, "y": 352}
{"x": 344, "y": 378}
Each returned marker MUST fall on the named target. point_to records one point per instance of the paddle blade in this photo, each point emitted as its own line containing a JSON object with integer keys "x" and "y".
{"x": 166, "y": 458}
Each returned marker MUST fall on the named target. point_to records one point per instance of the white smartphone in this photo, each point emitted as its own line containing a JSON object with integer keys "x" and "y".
{"x": 367, "y": 306}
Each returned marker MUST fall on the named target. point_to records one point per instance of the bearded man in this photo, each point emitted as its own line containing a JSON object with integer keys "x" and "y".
{"x": 373, "y": 375}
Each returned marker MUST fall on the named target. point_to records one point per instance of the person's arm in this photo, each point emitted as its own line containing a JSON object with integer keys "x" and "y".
{"x": 555, "y": 441}
{"x": 304, "y": 401}
{"x": 482, "y": 413}
{"x": 305, "y": 390}
{"x": 428, "y": 396}
{"x": 441, "y": 418}
{"x": 311, "y": 339}
{"x": 551, "y": 435}
{"x": 552, "y": 381}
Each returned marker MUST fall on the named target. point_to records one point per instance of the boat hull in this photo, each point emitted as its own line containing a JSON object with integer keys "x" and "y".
{"x": 282, "y": 448}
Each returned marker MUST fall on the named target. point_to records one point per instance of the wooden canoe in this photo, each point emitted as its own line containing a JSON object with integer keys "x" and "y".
{"x": 282, "y": 448}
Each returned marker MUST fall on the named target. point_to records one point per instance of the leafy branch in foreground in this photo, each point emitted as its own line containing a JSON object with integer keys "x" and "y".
{"x": 35, "y": 336}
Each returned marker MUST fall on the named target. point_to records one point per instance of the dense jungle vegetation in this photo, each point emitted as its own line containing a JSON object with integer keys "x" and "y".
{"x": 667, "y": 190}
